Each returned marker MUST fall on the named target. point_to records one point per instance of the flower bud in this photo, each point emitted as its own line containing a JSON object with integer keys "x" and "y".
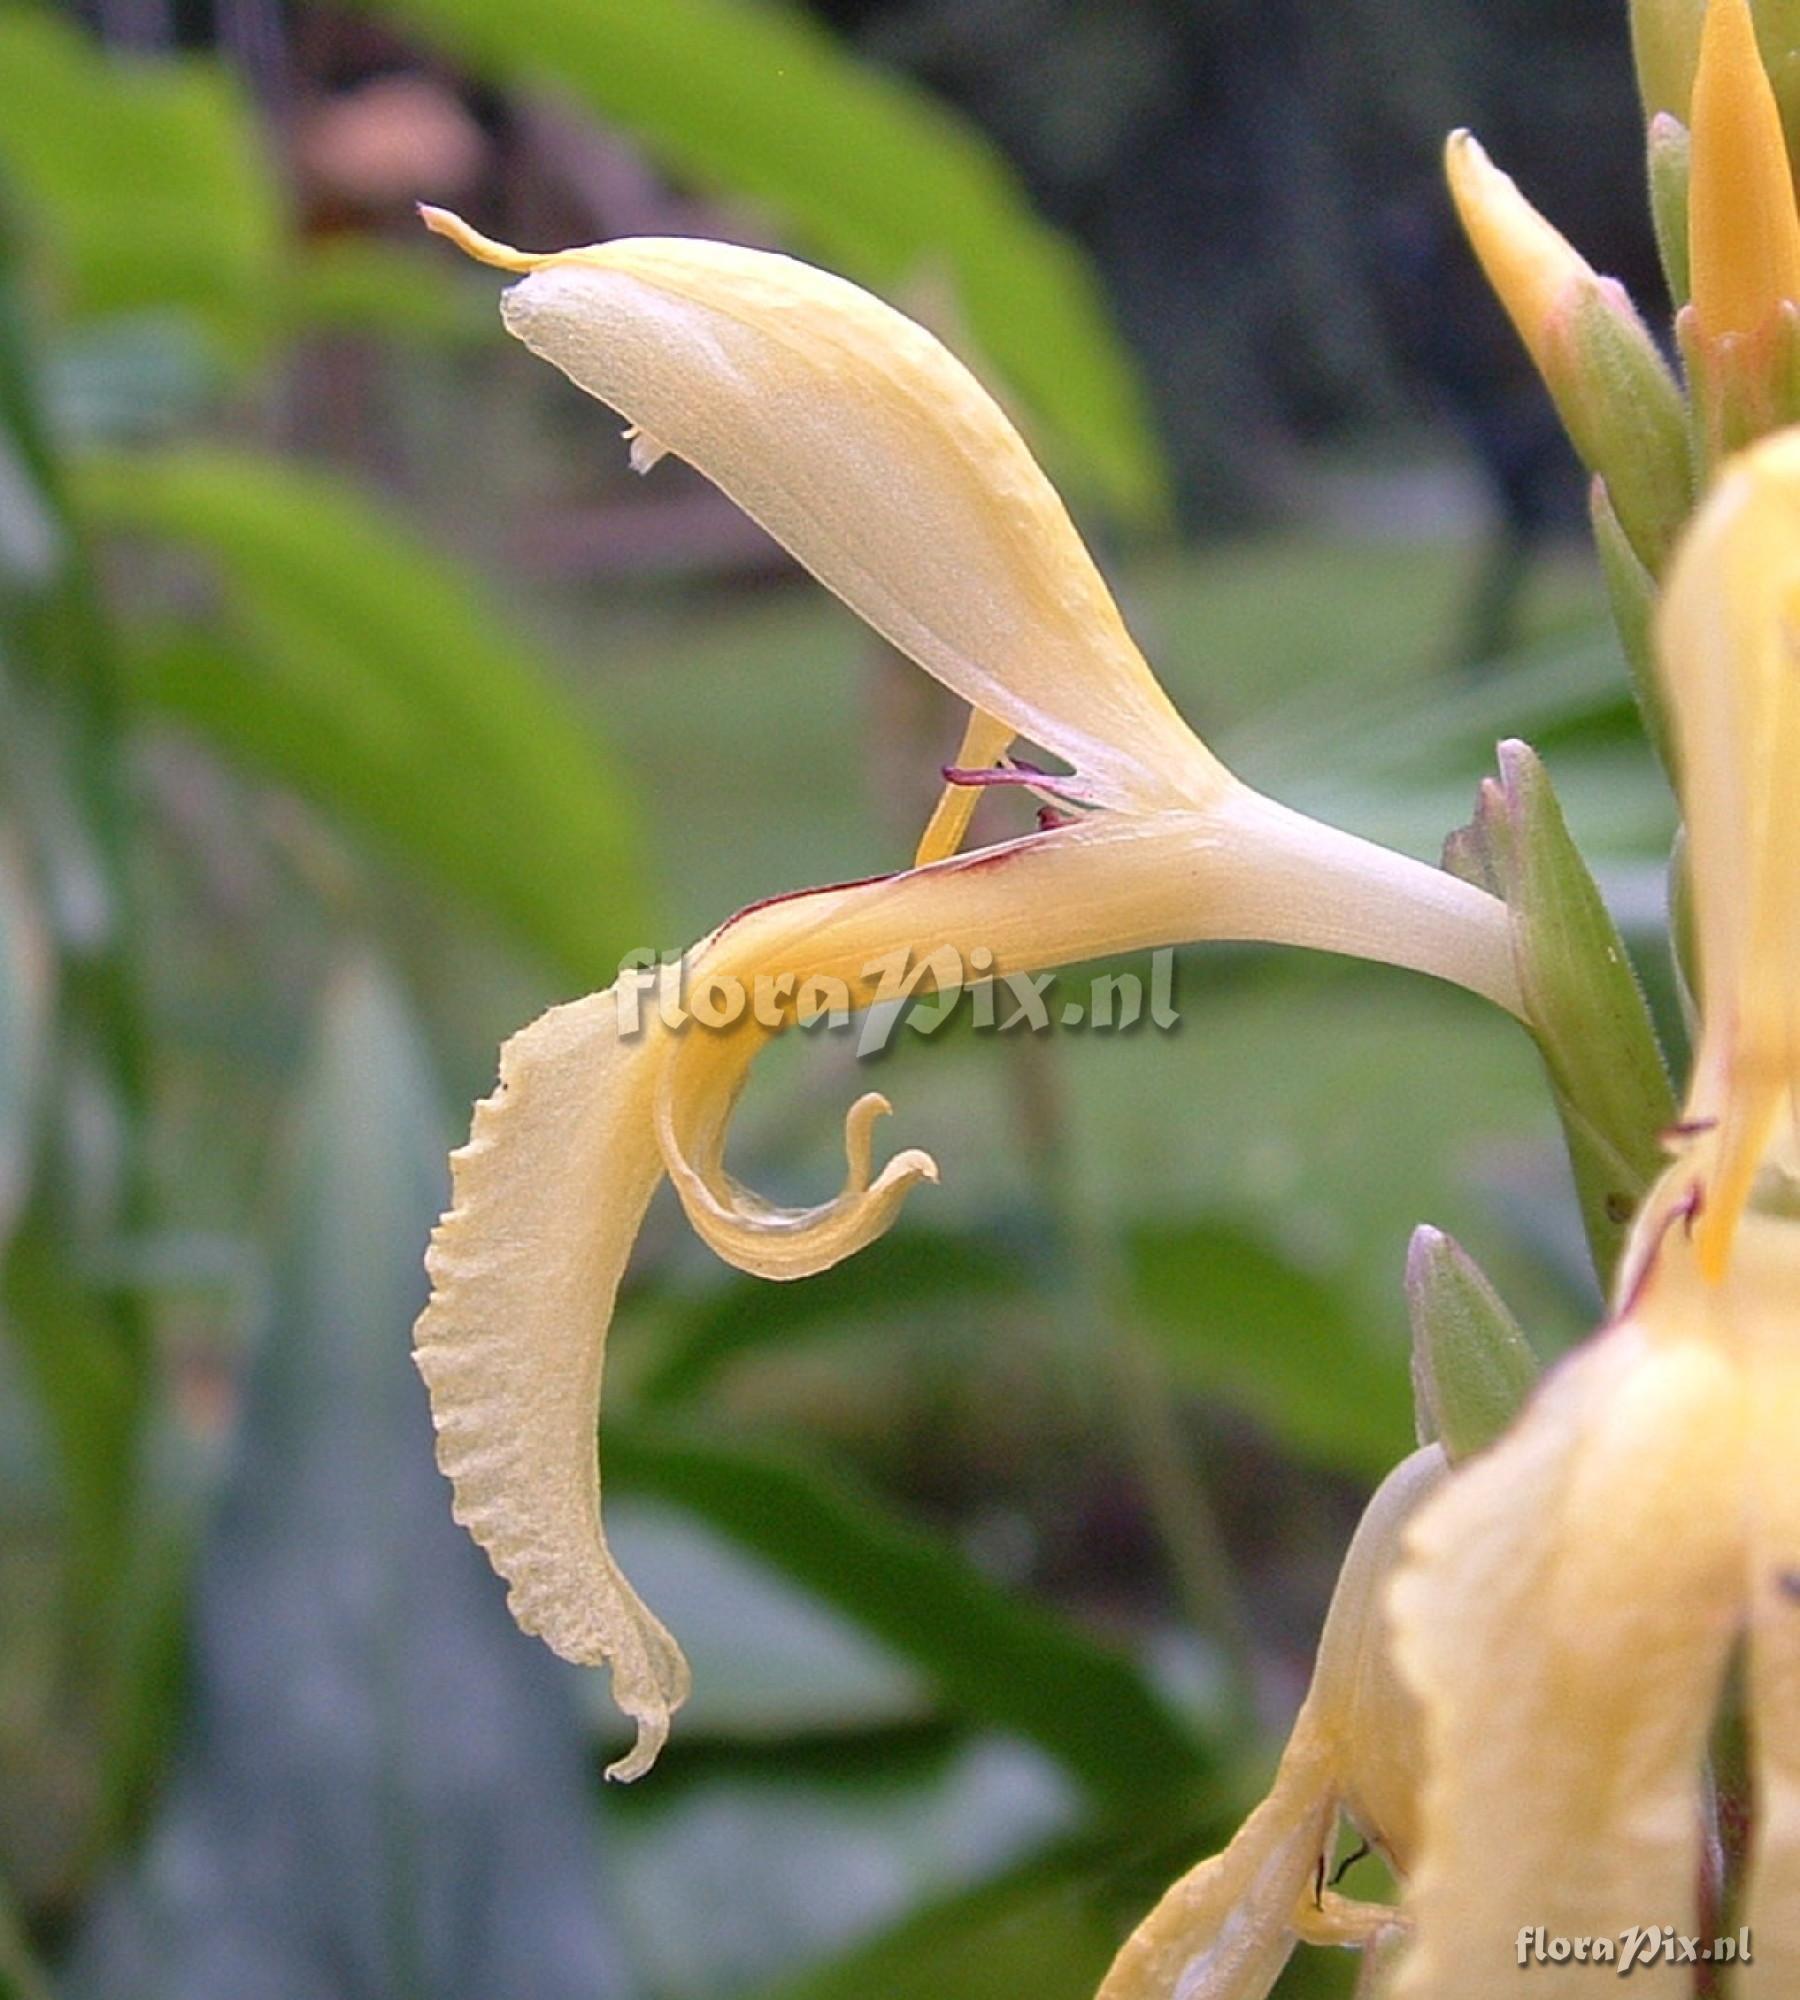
{"x": 1472, "y": 1367}
{"x": 1612, "y": 389}
{"x": 1743, "y": 232}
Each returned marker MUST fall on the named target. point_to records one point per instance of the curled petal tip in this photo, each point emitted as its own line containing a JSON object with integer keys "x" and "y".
{"x": 911, "y": 1167}
{"x": 448, "y": 224}
{"x": 652, "y": 1734}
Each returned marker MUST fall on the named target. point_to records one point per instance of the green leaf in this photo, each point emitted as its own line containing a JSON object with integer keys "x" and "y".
{"x": 21, "y": 1977}
{"x": 907, "y": 1272}
{"x": 805, "y": 1852}
{"x": 1041, "y": 1931}
{"x": 770, "y": 1660}
{"x": 361, "y": 668}
{"x": 26, "y": 964}
{"x": 90, "y": 1386}
{"x": 1236, "y": 1319}
{"x": 994, "y": 1656}
{"x": 146, "y": 183}
{"x": 383, "y": 1788}
{"x": 872, "y": 177}
{"x": 360, "y": 284}
{"x": 1048, "y": 1929}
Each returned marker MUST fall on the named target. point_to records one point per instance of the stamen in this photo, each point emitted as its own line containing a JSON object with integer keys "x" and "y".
{"x": 1360, "y": 1852}
{"x": 1052, "y": 785}
{"x": 985, "y": 741}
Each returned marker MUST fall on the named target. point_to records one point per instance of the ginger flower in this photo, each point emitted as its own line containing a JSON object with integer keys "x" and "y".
{"x": 880, "y": 463}
{"x": 1574, "y": 1598}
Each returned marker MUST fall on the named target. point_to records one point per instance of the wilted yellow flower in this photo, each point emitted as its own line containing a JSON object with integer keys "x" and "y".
{"x": 879, "y": 462}
{"x": 1226, "y": 1929}
{"x": 1573, "y": 1598}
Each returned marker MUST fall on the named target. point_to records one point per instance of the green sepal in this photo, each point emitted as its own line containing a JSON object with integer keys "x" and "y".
{"x": 1582, "y": 1000}
{"x": 1631, "y": 592}
{"x": 1671, "y": 159}
{"x": 1472, "y": 1367}
{"x": 1742, "y": 386}
{"x": 1624, "y": 412}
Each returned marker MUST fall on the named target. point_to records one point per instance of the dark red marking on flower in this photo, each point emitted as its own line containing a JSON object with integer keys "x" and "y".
{"x": 1360, "y": 1852}
{"x": 982, "y": 857}
{"x": 1684, "y": 1212}
{"x": 794, "y": 896}
{"x": 1787, "y": 1581}
{"x": 1049, "y": 818}
{"x": 1687, "y": 1128}
{"x": 1009, "y": 774}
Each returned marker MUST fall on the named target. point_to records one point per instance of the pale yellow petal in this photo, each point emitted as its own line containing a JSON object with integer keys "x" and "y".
{"x": 1103, "y": 887}
{"x": 1765, "y": 1276}
{"x": 1358, "y": 1697}
{"x": 1729, "y": 646}
{"x": 1565, "y": 1620}
{"x": 1226, "y": 1929}
{"x": 878, "y": 461}
{"x": 547, "y": 1198}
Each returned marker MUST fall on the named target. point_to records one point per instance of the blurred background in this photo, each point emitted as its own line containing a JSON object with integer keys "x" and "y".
{"x": 355, "y": 703}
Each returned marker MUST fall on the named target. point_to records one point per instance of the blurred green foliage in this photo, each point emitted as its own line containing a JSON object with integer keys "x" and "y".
{"x": 347, "y": 660}
{"x": 867, "y": 174}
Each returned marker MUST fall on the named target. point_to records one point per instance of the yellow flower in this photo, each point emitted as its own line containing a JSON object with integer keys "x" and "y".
{"x": 1572, "y": 1600}
{"x": 1226, "y": 1929}
{"x": 881, "y": 464}
{"x": 1743, "y": 233}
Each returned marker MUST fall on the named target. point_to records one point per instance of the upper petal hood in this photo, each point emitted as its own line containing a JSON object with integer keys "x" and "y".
{"x": 877, "y": 460}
